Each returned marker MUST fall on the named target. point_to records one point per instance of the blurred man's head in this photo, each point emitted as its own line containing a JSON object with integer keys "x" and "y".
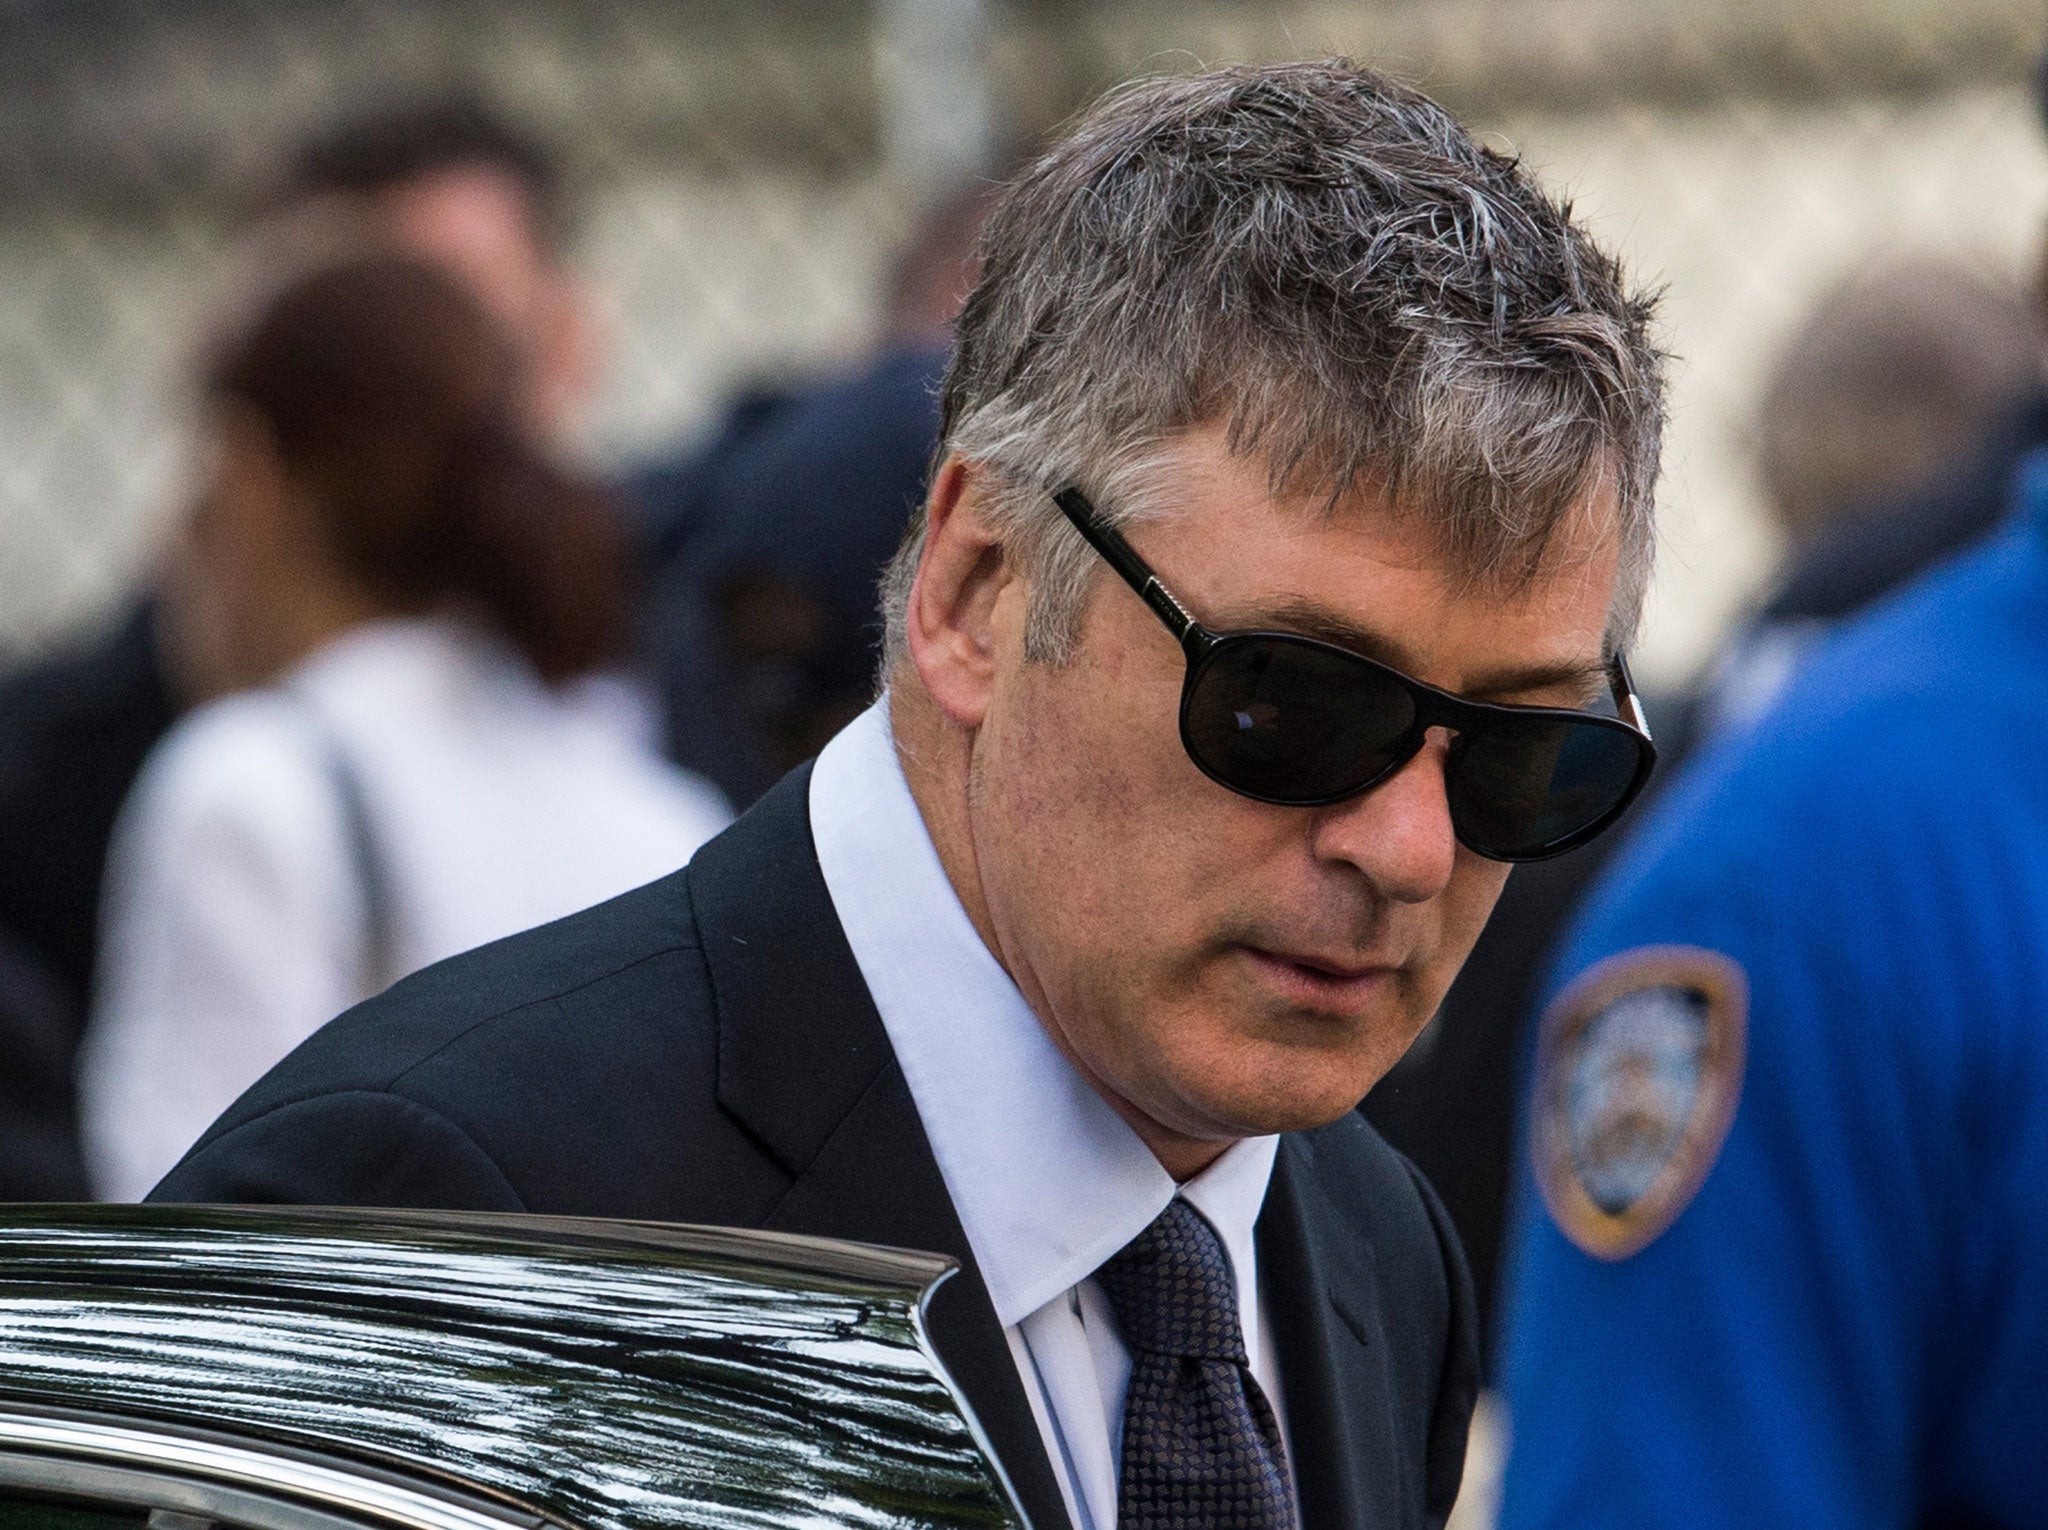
{"x": 455, "y": 182}
{"x": 1897, "y": 371}
{"x": 1337, "y": 372}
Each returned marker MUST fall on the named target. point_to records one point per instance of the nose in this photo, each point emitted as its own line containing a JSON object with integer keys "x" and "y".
{"x": 1398, "y": 835}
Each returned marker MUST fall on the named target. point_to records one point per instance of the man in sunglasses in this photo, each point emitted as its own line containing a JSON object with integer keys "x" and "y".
{"x": 1290, "y": 519}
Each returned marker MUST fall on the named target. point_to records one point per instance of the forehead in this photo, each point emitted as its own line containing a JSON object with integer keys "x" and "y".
{"x": 1369, "y": 576}
{"x": 476, "y": 222}
{"x": 473, "y": 217}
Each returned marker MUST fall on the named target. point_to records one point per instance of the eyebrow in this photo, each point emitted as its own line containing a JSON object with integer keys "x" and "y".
{"x": 1584, "y": 679}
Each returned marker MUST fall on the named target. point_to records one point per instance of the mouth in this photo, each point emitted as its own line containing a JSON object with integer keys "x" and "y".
{"x": 1313, "y": 981}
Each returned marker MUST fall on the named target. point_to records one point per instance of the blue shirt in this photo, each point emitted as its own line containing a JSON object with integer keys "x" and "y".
{"x": 1845, "y": 1321}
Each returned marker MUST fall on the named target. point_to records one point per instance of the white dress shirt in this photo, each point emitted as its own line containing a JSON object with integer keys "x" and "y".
{"x": 1047, "y": 1179}
{"x": 235, "y": 918}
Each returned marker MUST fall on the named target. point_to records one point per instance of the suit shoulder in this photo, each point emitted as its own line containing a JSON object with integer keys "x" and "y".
{"x": 1366, "y": 1177}
{"x": 623, "y": 948}
{"x": 1386, "y": 1202}
{"x": 1426, "y": 1316}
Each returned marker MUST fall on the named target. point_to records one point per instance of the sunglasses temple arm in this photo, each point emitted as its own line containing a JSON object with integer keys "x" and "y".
{"x": 1122, "y": 557}
{"x": 1625, "y": 698}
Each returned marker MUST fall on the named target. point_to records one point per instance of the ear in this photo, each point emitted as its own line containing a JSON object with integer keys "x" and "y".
{"x": 955, "y": 627}
{"x": 222, "y": 560}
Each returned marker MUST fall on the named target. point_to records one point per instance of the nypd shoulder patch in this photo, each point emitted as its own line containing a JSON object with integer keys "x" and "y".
{"x": 1638, "y": 1070}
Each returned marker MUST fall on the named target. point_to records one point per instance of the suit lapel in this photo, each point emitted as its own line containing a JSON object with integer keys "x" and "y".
{"x": 881, "y": 1147}
{"x": 1322, "y": 1287}
{"x": 805, "y": 1067}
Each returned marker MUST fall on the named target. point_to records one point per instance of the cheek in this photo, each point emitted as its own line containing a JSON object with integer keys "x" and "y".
{"x": 1465, "y": 906}
{"x": 1083, "y": 785}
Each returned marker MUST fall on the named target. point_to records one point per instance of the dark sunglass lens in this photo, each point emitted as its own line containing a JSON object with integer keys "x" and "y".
{"x": 1294, "y": 721}
{"x": 1521, "y": 785}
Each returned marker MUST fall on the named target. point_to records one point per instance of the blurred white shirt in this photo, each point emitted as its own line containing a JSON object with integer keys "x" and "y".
{"x": 235, "y": 921}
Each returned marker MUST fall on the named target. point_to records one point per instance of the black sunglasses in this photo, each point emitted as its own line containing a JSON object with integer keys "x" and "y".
{"x": 1287, "y": 719}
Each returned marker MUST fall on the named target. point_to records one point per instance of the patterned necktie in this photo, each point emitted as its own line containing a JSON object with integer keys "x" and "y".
{"x": 1201, "y": 1450}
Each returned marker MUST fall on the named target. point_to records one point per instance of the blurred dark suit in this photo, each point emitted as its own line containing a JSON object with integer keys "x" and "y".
{"x": 39, "y": 1028}
{"x": 761, "y": 628}
{"x": 75, "y": 727}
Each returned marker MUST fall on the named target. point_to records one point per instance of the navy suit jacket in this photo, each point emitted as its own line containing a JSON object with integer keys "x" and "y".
{"x": 704, "y": 1050}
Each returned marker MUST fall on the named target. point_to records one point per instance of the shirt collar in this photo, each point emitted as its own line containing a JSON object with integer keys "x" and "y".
{"x": 437, "y": 655}
{"x": 1048, "y": 1181}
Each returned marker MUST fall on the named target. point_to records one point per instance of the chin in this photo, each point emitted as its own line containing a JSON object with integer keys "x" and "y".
{"x": 1283, "y": 1095}
{"x": 1239, "y": 1060}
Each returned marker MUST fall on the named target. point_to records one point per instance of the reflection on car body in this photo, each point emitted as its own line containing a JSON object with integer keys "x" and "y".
{"x": 325, "y": 1370}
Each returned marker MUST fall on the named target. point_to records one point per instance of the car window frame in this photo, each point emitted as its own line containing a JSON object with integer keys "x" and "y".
{"x": 251, "y": 1484}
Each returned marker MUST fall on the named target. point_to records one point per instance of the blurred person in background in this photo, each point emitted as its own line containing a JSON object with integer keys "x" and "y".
{"x": 1968, "y": 401}
{"x": 452, "y": 180}
{"x": 772, "y": 537}
{"x": 400, "y": 588}
{"x": 1899, "y": 392}
{"x": 1870, "y": 435}
{"x": 1781, "y": 1256}
{"x": 1894, "y": 374}
{"x": 447, "y": 177}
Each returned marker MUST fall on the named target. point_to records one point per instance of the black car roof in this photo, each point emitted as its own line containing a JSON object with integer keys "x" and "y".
{"x": 613, "y": 1375}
